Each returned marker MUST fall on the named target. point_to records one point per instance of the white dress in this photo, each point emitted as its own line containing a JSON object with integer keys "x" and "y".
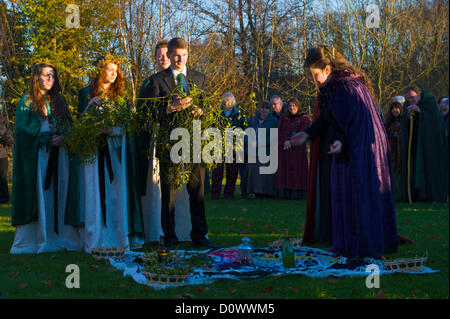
{"x": 151, "y": 207}
{"x": 40, "y": 236}
{"x": 116, "y": 232}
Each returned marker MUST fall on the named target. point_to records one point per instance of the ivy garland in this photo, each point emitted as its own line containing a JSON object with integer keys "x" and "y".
{"x": 85, "y": 138}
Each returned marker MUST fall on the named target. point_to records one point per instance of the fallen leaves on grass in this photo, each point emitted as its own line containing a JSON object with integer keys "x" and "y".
{"x": 14, "y": 276}
{"x": 333, "y": 281}
{"x": 266, "y": 290}
{"x": 23, "y": 285}
{"x": 48, "y": 283}
{"x": 93, "y": 267}
{"x": 202, "y": 289}
{"x": 294, "y": 289}
{"x": 380, "y": 294}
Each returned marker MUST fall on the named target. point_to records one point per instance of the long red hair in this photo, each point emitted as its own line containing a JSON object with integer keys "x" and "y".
{"x": 115, "y": 89}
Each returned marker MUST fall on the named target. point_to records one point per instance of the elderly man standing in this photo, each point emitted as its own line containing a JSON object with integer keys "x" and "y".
{"x": 278, "y": 107}
{"x": 235, "y": 119}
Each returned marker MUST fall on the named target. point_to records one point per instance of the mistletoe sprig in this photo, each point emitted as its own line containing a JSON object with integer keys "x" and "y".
{"x": 176, "y": 266}
{"x": 179, "y": 173}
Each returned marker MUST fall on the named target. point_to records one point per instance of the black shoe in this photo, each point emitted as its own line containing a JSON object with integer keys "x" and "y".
{"x": 203, "y": 243}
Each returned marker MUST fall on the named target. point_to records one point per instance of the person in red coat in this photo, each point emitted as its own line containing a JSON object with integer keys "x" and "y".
{"x": 292, "y": 173}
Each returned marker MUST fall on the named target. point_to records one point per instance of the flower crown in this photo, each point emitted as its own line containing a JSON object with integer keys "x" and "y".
{"x": 102, "y": 61}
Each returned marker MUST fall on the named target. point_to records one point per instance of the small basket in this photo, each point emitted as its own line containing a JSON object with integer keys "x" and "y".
{"x": 164, "y": 279}
{"x": 107, "y": 252}
{"x": 416, "y": 264}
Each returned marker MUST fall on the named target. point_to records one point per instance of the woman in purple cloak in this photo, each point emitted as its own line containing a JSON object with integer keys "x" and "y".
{"x": 359, "y": 193}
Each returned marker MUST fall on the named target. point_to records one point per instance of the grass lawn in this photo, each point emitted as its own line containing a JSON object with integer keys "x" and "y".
{"x": 43, "y": 275}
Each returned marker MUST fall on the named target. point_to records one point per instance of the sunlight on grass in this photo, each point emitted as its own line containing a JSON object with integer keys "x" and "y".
{"x": 5, "y": 224}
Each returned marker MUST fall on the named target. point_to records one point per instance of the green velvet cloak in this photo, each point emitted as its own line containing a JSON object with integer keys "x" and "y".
{"x": 429, "y": 176}
{"x": 27, "y": 140}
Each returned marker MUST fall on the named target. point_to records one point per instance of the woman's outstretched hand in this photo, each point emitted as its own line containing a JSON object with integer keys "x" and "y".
{"x": 336, "y": 147}
{"x": 299, "y": 139}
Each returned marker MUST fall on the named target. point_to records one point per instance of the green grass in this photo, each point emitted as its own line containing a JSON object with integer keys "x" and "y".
{"x": 43, "y": 275}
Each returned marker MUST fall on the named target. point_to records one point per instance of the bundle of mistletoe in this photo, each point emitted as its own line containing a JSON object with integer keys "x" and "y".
{"x": 85, "y": 137}
{"x": 211, "y": 148}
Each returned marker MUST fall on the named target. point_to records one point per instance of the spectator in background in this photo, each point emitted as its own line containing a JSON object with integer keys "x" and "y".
{"x": 292, "y": 173}
{"x": 393, "y": 129}
{"x": 278, "y": 107}
{"x": 234, "y": 119}
{"x": 443, "y": 106}
{"x": 262, "y": 185}
{"x": 400, "y": 99}
{"x": 6, "y": 141}
{"x": 428, "y": 157}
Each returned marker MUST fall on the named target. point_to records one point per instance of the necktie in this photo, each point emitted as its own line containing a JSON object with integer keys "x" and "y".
{"x": 182, "y": 83}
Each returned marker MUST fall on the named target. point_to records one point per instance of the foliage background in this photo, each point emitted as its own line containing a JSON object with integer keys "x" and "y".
{"x": 244, "y": 46}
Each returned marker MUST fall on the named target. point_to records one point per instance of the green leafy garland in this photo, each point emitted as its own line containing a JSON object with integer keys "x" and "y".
{"x": 84, "y": 139}
{"x": 179, "y": 173}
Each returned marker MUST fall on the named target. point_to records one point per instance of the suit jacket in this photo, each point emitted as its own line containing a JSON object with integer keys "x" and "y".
{"x": 162, "y": 89}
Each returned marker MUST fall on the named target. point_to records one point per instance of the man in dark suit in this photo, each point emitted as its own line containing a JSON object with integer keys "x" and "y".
{"x": 163, "y": 88}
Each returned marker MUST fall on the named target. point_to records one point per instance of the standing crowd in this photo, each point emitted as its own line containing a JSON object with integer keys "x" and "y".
{"x": 355, "y": 164}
